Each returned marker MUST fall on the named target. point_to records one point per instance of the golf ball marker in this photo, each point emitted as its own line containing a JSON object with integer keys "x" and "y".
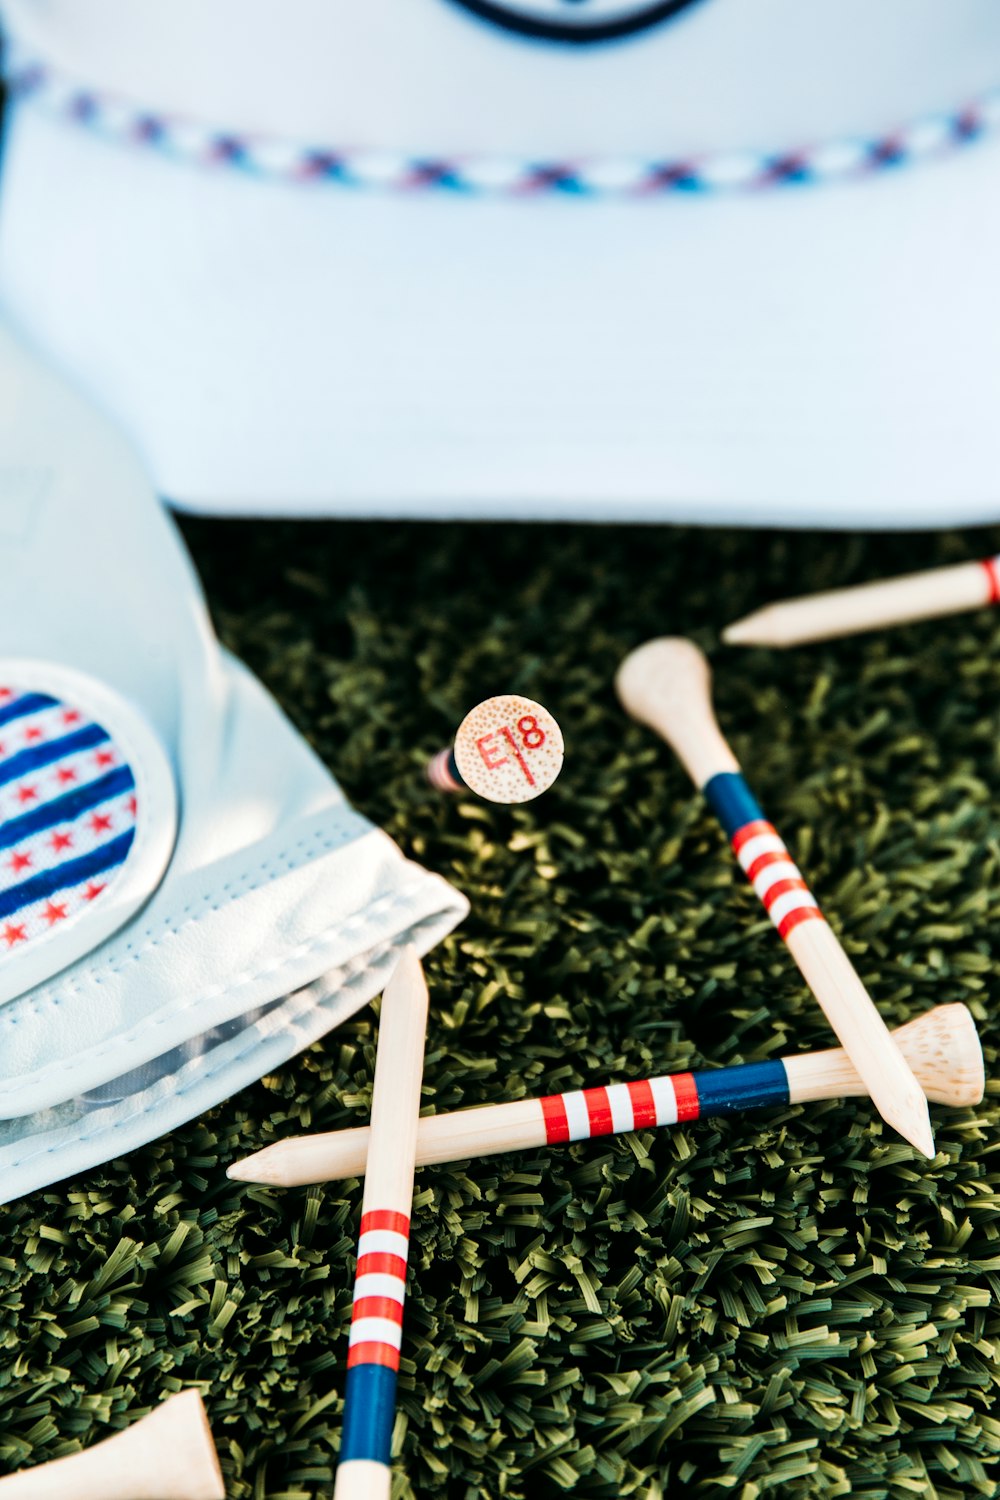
{"x": 508, "y": 749}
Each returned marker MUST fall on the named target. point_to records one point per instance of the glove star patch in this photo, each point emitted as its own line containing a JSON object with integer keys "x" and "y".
{"x": 87, "y": 818}
{"x": 574, "y": 20}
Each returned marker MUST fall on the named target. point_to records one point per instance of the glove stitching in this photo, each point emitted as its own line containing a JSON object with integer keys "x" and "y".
{"x": 360, "y": 963}
{"x": 56, "y": 990}
{"x": 52, "y": 1070}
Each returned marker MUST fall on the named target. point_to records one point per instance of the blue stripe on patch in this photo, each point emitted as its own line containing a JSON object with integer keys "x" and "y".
{"x": 29, "y": 703}
{"x": 732, "y": 801}
{"x": 64, "y": 809}
{"x": 73, "y": 872}
{"x": 51, "y": 750}
{"x": 369, "y": 1413}
{"x": 730, "y": 1091}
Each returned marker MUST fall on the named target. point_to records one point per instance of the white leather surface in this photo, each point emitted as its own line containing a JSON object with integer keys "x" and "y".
{"x": 275, "y": 886}
{"x": 811, "y": 355}
{"x": 427, "y": 76}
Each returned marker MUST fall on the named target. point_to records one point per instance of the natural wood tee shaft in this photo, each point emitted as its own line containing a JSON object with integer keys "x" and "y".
{"x": 666, "y": 684}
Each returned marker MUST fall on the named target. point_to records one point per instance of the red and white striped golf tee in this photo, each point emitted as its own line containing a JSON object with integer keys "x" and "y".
{"x": 379, "y": 1290}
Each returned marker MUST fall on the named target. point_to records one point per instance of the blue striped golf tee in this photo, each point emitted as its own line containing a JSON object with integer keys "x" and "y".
{"x": 376, "y": 1335}
{"x": 761, "y": 853}
{"x": 611, "y": 1109}
{"x": 822, "y": 960}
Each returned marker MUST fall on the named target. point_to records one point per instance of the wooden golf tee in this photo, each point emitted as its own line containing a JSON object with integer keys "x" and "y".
{"x": 168, "y": 1455}
{"x": 364, "y": 1472}
{"x": 941, "y": 1046}
{"x": 667, "y": 684}
{"x": 870, "y": 606}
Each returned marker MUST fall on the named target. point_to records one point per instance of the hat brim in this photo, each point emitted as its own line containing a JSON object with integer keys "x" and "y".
{"x": 803, "y": 355}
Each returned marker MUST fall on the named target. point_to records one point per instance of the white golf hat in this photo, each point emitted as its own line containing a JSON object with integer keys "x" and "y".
{"x": 716, "y": 260}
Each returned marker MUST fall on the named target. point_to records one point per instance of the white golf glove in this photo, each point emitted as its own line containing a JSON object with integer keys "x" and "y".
{"x": 186, "y": 899}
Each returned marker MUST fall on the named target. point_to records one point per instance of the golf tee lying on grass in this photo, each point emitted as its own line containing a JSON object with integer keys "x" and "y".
{"x": 667, "y": 684}
{"x": 870, "y": 606}
{"x": 168, "y": 1455}
{"x": 941, "y": 1046}
{"x": 363, "y": 1472}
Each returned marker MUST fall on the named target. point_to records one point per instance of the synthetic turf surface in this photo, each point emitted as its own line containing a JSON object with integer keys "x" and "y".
{"x": 787, "y": 1306}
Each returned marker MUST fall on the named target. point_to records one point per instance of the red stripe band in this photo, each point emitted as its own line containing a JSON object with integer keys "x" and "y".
{"x": 378, "y": 1307}
{"x": 686, "y": 1094}
{"x": 373, "y": 1354}
{"x": 554, "y": 1115}
{"x": 381, "y": 1263}
{"x": 764, "y": 860}
{"x": 643, "y": 1105}
{"x": 751, "y": 831}
{"x": 782, "y": 888}
{"x": 598, "y": 1111}
{"x": 993, "y": 574}
{"x": 801, "y": 914}
{"x": 385, "y": 1218}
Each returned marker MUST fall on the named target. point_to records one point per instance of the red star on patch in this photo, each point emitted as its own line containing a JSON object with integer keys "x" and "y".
{"x": 32, "y": 735}
{"x": 5, "y": 693}
{"x": 132, "y": 806}
{"x": 104, "y": 758}
{"x": 54, "y": 913}
{"x": 71, "y": 716}
{"x": 60, "y": 841}
{"x": 92, "y": 890}
{"x": 3, "y": 750}
{"x": 14, "y": 934}
{"x": 27, "y": 794}
{"x": 100, "y": 823}
{"x": 64, "y": 775}
{"x": 19, "y": 862}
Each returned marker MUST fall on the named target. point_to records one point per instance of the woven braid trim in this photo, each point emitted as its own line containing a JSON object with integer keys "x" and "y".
{"x": 118, "y": 119}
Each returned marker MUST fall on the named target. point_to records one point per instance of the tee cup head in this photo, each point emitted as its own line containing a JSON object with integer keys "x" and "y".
{"x": 509, "y": 749}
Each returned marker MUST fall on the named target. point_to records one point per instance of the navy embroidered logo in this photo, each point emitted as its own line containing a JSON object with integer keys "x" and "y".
{"x": 580, "y": 21}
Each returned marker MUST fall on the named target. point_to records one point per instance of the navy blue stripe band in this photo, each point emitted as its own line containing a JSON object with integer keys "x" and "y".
{"x": 732, "y": 801}
{"x": 65, "y": 809}
{"x": 73, "y": 872}
{"x": 731, "y": 1091}
{"x": 369, "y": 1413}
{"x": 44, "y": 754}
{"x": 29, "y": 703}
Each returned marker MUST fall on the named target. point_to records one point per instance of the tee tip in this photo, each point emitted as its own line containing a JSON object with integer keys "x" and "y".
{"x": 740, "y": 633}
{"x": 254, "y": 1168}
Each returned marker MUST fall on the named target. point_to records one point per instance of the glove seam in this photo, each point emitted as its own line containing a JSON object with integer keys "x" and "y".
{"x": 379, "y": 907}
{"x": 56, "y": 990}
{"x": 360, "y": 963}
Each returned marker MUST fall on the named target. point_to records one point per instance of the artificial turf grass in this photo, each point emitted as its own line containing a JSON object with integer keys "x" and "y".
{"x": 786, "y": 1305}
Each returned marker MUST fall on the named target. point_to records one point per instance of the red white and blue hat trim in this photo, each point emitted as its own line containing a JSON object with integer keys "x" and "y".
{"x": 125, "y": 121}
